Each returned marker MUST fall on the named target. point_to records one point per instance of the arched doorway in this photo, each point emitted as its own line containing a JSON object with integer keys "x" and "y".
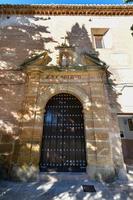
{"x": 63, "y": 143}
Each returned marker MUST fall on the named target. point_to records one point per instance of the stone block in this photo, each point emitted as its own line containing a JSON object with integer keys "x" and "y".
{"x": 28, "y": 123}
{"x": 104, "y": 160}
{"x": 37, "y": 136}
{"x": 6, "y": 148}
{"x": 101, "y": 148}
{"x": 97, "y": 90}
{"x": 35, "y": 155}
{"x": 90, "y": 135}
{"x": 34, "y": 77}
{"x": 101, "y": 123}
{"x": 101, "y": 136}
{"x": 7, "y": 138}
{"x": 25, "y": 147}
{"x": 106, "y": 173}
{"x": 91, "y": 147}
{"x": 24, "y": 173}
{"x": 103, "y": 114}
{"x": 24, "y": 155}
{"x": 97, "y": 135}
{"x": 24, "y": 159}
{"x": 91, "y": 159}
{"x": 32, "y": 87}
{"x": 26, "y": 134}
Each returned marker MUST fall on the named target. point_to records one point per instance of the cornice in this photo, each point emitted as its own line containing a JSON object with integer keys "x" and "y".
{"x": 85, "y": 10}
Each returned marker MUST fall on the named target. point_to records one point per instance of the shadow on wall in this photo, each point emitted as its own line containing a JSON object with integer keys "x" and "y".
{"x": 25, "y": 38}
{"x": 78, "y": 38}
{"x": 20, "y": 38}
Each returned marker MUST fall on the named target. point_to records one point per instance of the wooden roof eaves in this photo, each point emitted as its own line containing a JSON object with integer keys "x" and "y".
{"x": 96, "y": 10}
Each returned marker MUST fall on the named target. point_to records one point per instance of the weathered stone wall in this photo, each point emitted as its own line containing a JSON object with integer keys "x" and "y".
{"x": 16, "y": 44}
{"x": 12, "y": 87}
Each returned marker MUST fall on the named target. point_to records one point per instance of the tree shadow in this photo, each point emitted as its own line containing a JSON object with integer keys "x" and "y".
{"x": 29, "y": 39}
{"x": 21, "y": 37}
{"x": 28, "y": 42}
{"x": 78, "y": 38}
{"x": 67, "y": 189}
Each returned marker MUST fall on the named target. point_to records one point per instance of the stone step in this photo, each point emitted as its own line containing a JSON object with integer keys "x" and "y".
{"x": 59, "y": 176}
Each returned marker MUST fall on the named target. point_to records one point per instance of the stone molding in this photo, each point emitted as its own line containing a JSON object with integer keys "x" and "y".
{"x": 84, "y": 10}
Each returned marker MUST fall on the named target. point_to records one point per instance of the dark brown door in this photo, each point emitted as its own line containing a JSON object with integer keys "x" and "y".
{"x": 63, "y": 143}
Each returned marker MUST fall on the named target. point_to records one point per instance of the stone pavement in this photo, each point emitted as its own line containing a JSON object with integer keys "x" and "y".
{"x": 65, "y": 186}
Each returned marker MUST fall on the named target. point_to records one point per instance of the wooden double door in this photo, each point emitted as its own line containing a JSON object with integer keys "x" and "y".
{"x": 63, "y": 142}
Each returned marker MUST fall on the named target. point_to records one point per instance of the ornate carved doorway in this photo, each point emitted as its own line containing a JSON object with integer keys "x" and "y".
{"x": 63, "y": 143}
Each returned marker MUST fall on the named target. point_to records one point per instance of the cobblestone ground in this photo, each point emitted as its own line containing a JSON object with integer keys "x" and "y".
{"x": 68, "y": 188}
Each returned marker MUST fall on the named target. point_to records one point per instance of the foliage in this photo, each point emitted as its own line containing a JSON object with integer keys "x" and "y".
{"x": 127, "y": 1}
{"x": 132, "y": 29}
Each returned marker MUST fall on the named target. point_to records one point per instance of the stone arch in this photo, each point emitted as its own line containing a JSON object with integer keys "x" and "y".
{"x": 56, "y": 89}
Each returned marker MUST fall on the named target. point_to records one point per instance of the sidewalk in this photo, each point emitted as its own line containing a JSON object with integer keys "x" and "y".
{"x": 65, "y": 187}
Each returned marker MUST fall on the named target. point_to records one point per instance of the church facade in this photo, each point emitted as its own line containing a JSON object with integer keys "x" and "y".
{"x": 66, "y": 90}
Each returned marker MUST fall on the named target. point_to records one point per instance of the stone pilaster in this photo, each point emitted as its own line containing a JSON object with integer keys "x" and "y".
{"x": 99, "y": 151}
{"x": 28, "y": 148}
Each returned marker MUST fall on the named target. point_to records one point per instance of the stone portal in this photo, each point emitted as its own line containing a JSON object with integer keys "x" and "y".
{"x": 86, "y": 83}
